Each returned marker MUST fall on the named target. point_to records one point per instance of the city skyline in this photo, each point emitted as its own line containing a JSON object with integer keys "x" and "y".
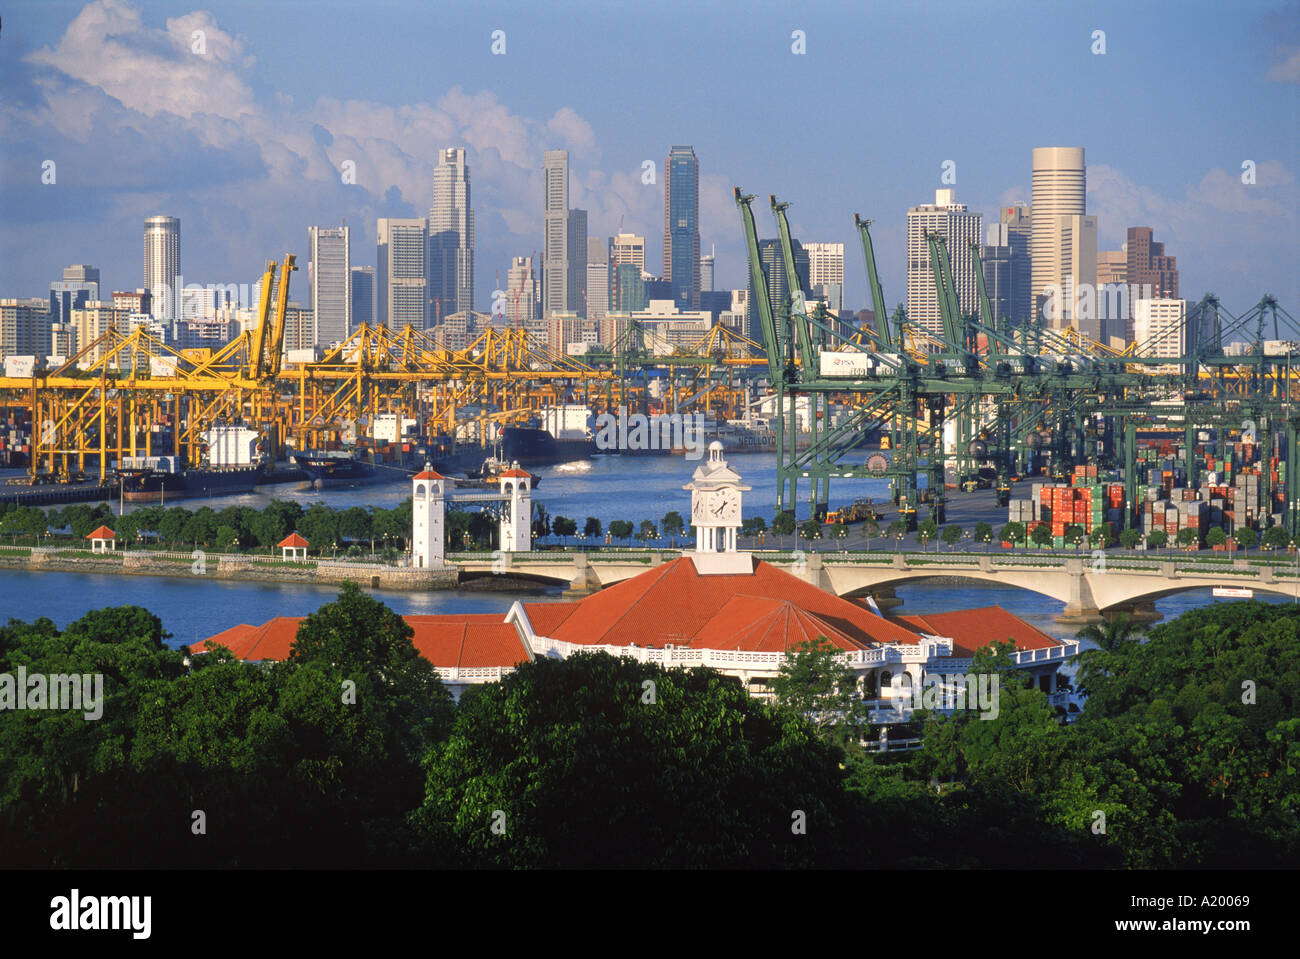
{"x": 252, "y": 195}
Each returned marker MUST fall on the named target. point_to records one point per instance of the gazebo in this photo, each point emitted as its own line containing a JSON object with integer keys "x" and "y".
{"x": 102, "y": 540}
{"x": 294, "y": 547}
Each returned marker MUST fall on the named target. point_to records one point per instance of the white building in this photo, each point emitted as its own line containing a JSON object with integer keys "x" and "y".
{"x": 401, "y": 284}
{"x": 1159, "y": 330}
{"x": 330, "y": 273}
{"x": 958, "y": 227}
{"x": 826, "y": 273}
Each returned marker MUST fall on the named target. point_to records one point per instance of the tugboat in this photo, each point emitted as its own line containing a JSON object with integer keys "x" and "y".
{"x": 488, "y": 475}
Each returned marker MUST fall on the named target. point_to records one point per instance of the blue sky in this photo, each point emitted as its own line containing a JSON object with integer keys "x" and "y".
{"x": 244, "y": 141}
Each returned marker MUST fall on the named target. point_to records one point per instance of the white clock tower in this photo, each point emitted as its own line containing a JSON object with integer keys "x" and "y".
{"x": 715, "y": 510}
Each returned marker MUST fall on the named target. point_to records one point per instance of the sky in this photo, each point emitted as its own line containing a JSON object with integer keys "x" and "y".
{"x": 242, "y": 129}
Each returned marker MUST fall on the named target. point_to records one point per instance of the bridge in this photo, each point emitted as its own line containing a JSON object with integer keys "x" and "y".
{"x": 1093, "y": 588}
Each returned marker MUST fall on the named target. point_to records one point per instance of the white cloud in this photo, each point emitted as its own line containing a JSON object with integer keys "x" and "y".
{"x": 1288, "y": 69}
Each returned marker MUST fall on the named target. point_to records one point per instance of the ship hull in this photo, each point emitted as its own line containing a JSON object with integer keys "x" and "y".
{"x": 536, "y": 447}
{"x": 189, "y": 484}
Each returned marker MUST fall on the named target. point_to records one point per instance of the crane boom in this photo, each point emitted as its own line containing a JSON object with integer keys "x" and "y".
{"x": 873, "y": 280}
{"x": 773, "y": 341}
{"x": 281, "y": 302}
{"x": 797, "y": 309}
{"x": 259, "y": 331}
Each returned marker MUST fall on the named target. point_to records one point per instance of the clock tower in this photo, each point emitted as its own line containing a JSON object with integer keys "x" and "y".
{"x": 715, "y": 504}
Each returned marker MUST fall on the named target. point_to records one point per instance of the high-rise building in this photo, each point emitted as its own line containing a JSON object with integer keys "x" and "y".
{"x": 96, "y": 318}
{"x": 624, "y": 248}
{"x": 451, "y": 236}
{"x": 401, "y": 287}
{"x": 555, "y": 239}
{"x": 1058, "y": 192}
{"x": 707, "y": 262}
{"x": 577, "y": 247}
{"x": 826, "y": 273}
{"x": 1008, "y": 277}
{"x": 773, "y": 263}
{"x": 363, "y": 296}
{"x": 25, "y": 328}
{"x": 1147, "y": 265}
{"x": 959, "y": 227}
{"x": 1078, "y": 259}
{"x": 80, "y": 284}
{"x": 521, "y": 296}
{"x": 162, "y": 262}
{"x": 1112, "y": 299}
{"x": 682, "y": 226}
{"x": 597, "y": 278}
{"x": 329, "y": 253}
{"x": 631, "y": 288}
{"x": 1158, "y": 329}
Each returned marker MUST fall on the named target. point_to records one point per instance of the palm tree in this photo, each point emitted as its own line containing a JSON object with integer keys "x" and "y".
{"x": 1112, "y": 634}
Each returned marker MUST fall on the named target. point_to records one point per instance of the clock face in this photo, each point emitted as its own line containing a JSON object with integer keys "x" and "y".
{"x": 725, "y": 507}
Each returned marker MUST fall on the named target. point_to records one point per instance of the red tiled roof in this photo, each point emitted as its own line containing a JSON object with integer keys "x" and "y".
{"x": 293, "y": 540}
{"x": 446, "y": 641}
{"x": 547, "y": 617}
{"x": 673, "y": 604}
{"x": 517, "y": 472}
{"x": 429, "y": 475}
{"x": 762, "y": 625}
{"x": 102, "y": 533}
{"x": 971, "y": 629}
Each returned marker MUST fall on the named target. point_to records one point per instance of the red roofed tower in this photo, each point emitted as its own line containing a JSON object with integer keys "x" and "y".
{"x": 428, "y": 512}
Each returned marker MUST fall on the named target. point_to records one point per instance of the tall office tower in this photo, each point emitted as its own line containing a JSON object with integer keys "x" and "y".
{"x": 1147, "y": 264}
{"x": 162, "y": 262}
{"x": 363, "y": 296}
{"x": 597, "y": 278}
{"x": 451, "y": 236}
{"x": 1007, "y": 274}
{"x": 401, "y": 287}
{"x": 555, "y": 239}
{"x": 25, "y": 328}
{"x": 631, "y": 288}
{"x": 769, "y": 252}
{"x": 80, "y": 285}
{"x": 576, "y": 228}
{"x": 1112, "y": 294}
{"x": 958, "y": 227}
{"x": 1078, "y": 259}
{"x": 682, "y": 226}
{"x": 826, "y": 273}
{"x": 707, "y": 262}
{"x": 1158, "y": 328}
{"x": 330, "y": 262}
{"x": 1058, "y": 191}
{"x": 624, "y": 248}
{"x": 521, "y": 294}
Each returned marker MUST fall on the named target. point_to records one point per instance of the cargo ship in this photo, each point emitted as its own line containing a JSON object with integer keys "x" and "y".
{"x": 331, "y": 469}
{"x": 234, "y": 465}
{"x": 562, "y": 434}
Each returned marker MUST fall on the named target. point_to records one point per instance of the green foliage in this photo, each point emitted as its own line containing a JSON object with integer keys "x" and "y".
{"x": 579, "y": 769}
{"x": 592, "y": 528}
{"x": 673, "y": 525}
{"x": 927, "y": 530}
{"x": 564, "y": 527}
{"x": 621, "y": 529}
{"x": 1129, "y": 538}
{"x": 1157, "y": 538}
{"x": 541, "y": 521}
{"x": 1042, "y": 535}
{"x": 1188, "y": 537}
{"x": 1216, "y": 537}
{"x": 783, "y": 524}
{"x": 983, "y": 532}
{"x": 1102, "y": 537}
{"x": 811, "y": 529}
{"x": 1245, "y": 537}
{"x": 814, "y": 681}
{"x": 1276, "y": 537}
{"x": 1013, "y": 533}
{"x": 951, "y": 535}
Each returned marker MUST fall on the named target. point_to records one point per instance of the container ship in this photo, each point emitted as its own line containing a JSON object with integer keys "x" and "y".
{"x": 561, "y": 435}
{"x": 234, "y": 465}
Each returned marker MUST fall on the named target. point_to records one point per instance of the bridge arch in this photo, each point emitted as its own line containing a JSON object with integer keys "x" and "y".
{"x": 1043, "y": 586}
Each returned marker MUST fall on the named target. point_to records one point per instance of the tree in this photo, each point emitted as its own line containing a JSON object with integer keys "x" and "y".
{"x": 1129, "y": 538}
{"x": 927, "y": 531}
{"x": 1075, "y": 534}
{"x": 356, "y": 524}
{"x": 811, "y": 530}
{"x": 541, "y": 521}
{"x": 1216, "y": 537}
{"x": 870, "y": 529}
{"x": 814, "y": 681}
{"x": 1042, "y": 535}
{"x": 1245, "y": 537}
{"x": 952, "y": 535}
{"x": 783, "y": 524}
{"x": 574, "y": 793}
{"x": 564, "y": 527}
{"x": 840, "y": 531}
{"x": 983, "y": 533}
{"x": 225, "y": 537}
{"x": 1101, "y": 537}
{"x": 320, "y": 526}
{"x": 647, "y": 532}
{"x": 1112, "y": 634}
{"x": 1013, "y": 533}
{"x": 1188, "y": 537}
{"x": 621, "y": 529}
{"x": 897, "y": 530}
{"x": 171, "y": 526}
{"x": 1275, "y": 537}
{"x": 673, "y": 526}
{"x": 592, "y": 529}
{"x": 1157, "y": 538}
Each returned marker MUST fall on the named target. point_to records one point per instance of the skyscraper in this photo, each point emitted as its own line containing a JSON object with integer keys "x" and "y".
{"x": 521, "y": 294}
{"x": 958, "y": 227}
{"x": 576, "y": 230}
{"x": 778, "y": 291}
{"x": 80, "y": 285}
{"x": 1058, "y": 194}
{"x": 1147, "y": 264}
{"x": 1008, "y": 276}
{"x": 624, "y": 248}
{"x": 707, "y": 263}
{"x": 451, "y": 237}
{"x": 597, "y": 278}
{"x": 682, "y": 226}
{"x": 330, "y": 256}
{"x": 555, "y": 239}
{"x": 162, "y": 262}
{"x": 363, "y": 296}
{"x": 826, "y": 273}
{"x": 401, "y": 287}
